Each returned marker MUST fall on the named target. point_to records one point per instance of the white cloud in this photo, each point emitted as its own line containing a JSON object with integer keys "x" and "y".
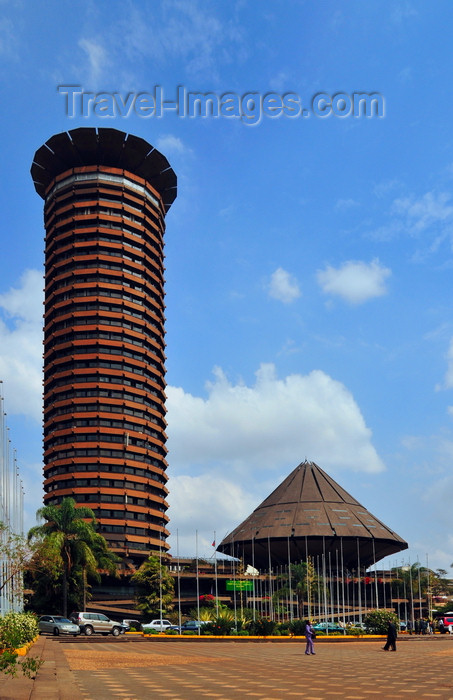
{"x": 432, "y": 208}
{"x": 345, "y": 204}
{"x": 274, "y": 424}
{"x": 21, "y": 345}
{"x": 8, "y": 39}
{"x": 448, "y": 379}
{"x": 355, "y": 281}
{"x": 284, "y": 286}
{"x": 280, "y": 82}
{"x": 159, "y": 34}
{"x": 402, "y": 12}
{"x": 427, "y": 219}
{"x": 206, "y": 504}
{"x": 171, "y": 144}
{"x": 98, "y": 61}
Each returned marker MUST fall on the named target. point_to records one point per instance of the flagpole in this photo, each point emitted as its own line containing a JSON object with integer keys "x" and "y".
{"x": 290, "y": 584}
{"x": 271, "y": 607}
{"x": 324, "y": 575}
{"x": 254, "y": 587}
{"x": 234, "y": 590}
{"x": 198, "y": 581}
{"x": 359, "y": 589}
{"x": 179, "y": 579}
{"x": 342, "y": 582}
{"x": 160, "y": 580}
{"x": 215, "y": 574}
{"x": 375, "y": 577}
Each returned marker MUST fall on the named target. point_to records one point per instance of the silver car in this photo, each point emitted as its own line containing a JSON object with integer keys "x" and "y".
{"x": 55, "y": 624}
{"x": 91, "y": 623}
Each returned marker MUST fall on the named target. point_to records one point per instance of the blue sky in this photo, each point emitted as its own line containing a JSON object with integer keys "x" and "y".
{"x": 309, "y": 260}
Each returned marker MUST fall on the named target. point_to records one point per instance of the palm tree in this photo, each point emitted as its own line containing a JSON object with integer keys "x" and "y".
{"x": 70, "y": 532}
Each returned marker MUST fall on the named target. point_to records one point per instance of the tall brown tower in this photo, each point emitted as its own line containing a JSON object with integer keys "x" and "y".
{"x": 106, "y": 195}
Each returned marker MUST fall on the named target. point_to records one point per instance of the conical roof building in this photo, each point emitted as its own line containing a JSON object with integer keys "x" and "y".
{"x": 310, "y": 515}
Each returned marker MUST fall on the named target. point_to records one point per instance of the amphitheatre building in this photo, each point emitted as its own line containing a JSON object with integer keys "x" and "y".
{"x": 310, "y": 515}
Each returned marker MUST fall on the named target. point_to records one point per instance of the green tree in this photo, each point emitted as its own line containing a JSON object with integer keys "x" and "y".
{"x": 43, "y": 578}
{"x": 16, "y": 554}
{"x": 439, "y": 583}
{"x": 154, "y": 587}
{"x": 410, "y": 582}
{"x": 75, "y": 548}
{"x": 304, "y": 584}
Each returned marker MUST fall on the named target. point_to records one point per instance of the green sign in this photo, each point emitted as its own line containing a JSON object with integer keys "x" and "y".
{"x": 239, "y": 585}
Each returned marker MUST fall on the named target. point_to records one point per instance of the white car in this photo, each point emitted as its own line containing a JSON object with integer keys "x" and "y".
{"x": 159, "y": 625}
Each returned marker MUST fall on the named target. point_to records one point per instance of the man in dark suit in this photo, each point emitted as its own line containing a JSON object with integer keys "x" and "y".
{"x": 391, "y": 638}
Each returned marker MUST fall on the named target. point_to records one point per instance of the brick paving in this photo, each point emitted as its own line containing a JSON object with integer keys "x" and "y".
{"x": 136, "y": 668}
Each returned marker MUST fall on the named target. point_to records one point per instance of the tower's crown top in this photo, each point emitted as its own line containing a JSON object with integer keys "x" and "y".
{"x": 109, "y": 147}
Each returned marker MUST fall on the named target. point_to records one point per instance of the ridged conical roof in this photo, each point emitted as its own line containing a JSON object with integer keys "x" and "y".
{"x": 310, "y": 514}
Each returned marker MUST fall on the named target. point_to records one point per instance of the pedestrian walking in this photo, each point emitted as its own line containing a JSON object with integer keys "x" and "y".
{"x": 310, "y": 635}
{"x": 423, "y": 626}
{"x": 391, "y": 638}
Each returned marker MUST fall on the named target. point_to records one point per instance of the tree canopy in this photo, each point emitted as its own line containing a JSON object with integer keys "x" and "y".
{"x": 155, "y": 587}
{"x": 72, "y": 549}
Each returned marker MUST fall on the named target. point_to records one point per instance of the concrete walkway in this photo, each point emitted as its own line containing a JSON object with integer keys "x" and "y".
{"x": 133, "y": 668}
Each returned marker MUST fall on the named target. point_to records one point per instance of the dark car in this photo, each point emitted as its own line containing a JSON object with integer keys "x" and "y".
{"x": 56, "y": 624}
{"x": 190, "y": 626}
{"x": 132, "y": 625}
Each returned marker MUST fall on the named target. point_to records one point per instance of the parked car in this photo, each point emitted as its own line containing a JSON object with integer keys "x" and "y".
{"x": 190, "y": 625}
{"x": 90, "y": 623}
{"x": 358, "y": 625}
{"x": 446, "y": 623}
{"x": 56, "y": 624}
{"x": 159, "y": 625}
{"x": 328, "y": 627}
{"x": 132, "y": 624}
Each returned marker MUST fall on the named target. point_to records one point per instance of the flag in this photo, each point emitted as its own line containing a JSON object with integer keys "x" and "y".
{"x": 213, "y": 544}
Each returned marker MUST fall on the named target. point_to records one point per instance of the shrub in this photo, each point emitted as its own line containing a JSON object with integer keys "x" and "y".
{"x": 262, "y": 627}
{"x": 208, "y": 600}
{"x": 297, "y": 627}
{"x": 376, "y": 622}
{"x": 16, "y": 630}
{"x": 220, "y": 626}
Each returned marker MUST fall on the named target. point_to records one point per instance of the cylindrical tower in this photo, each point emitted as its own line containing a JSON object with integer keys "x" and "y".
{"x": 106, "y": 195}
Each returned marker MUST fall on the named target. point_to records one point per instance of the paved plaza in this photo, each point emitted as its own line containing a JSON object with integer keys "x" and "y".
{"x": 134, "y": 667}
